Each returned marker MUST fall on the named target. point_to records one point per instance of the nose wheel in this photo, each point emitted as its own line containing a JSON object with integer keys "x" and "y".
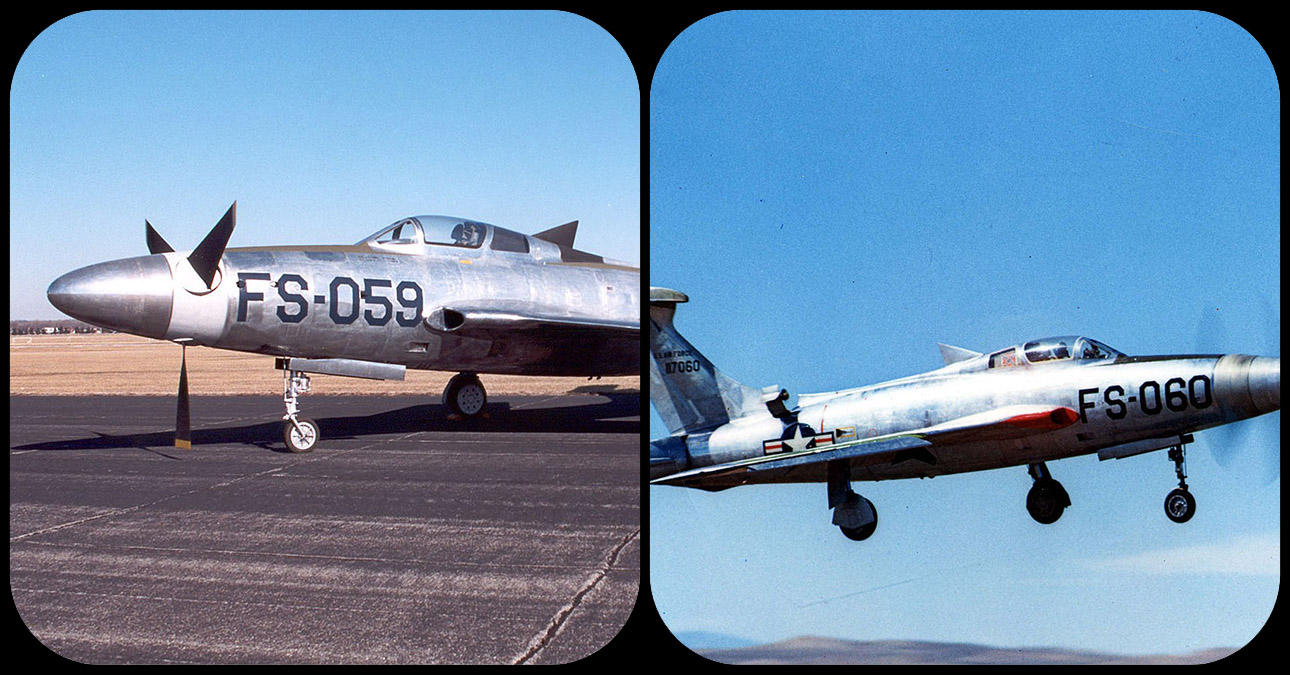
{"x": 1180, "y": 506}
{"x": 299, "y": 433}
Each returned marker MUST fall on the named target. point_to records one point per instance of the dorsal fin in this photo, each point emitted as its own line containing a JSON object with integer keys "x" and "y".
{"x": 956, "y": 354}
{"x": 560, "y": 235}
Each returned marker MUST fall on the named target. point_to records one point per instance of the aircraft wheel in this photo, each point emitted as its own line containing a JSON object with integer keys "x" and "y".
{"x": 864, "y": 531}
{"x": 1180, "y": 506}
{"x": 465, "y": 395}
{"x": 1046, "y": 501}
{"x": 297, "y": 442}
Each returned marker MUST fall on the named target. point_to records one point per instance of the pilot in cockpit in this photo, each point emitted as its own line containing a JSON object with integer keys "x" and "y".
{"x": 468, "y": 234}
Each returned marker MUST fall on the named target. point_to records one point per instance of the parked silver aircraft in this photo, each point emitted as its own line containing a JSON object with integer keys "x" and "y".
{"x": 427, "y": 292}
{"x": 1023, "y": 405}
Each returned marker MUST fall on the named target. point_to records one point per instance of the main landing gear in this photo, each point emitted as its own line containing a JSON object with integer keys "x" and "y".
{"x": 1047, "y": 498}
{"x": 465, "y": 395}
{"x": 853, "y": 514}
{"x": 1180, "y": 506}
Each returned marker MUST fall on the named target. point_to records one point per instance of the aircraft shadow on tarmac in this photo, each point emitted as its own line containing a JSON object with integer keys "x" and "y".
{"x": 619, "y": 414}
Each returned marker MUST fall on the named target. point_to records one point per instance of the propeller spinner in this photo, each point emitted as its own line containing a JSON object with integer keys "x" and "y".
{"x": 137, "y": 295}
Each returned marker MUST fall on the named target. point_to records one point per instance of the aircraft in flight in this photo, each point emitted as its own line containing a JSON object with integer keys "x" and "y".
{"x": 1027, "y": 404}
{"x": 426, "y": 292}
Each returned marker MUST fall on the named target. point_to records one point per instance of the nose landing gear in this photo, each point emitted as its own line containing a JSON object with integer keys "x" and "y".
{"x": 1180, "y": 506}
{"x": 300, "y": 434}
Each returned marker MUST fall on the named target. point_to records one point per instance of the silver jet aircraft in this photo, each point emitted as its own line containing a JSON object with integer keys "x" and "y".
{"x": 427, "y": 292}
{"x": 1023, "y": 405}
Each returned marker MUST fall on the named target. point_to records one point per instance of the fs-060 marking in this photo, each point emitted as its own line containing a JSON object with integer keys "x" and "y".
{"x": 1196, "y": 392}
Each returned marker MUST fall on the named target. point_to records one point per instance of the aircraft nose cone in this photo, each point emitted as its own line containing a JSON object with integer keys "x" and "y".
{"x": 1265, "y": 383}
{"x": 131, "y": 295}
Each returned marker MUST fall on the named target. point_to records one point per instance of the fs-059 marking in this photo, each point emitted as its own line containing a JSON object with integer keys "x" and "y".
{"x": 346, "y": 299}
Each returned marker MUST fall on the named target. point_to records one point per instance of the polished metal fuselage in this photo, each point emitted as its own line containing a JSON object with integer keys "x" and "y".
{"x": 1118, "y": 401}
{"x": 373, "y": 312}
{"x": 388, "y": 303}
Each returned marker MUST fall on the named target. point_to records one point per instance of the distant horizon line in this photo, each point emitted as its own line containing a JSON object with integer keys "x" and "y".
{"x": 941, "y": 651}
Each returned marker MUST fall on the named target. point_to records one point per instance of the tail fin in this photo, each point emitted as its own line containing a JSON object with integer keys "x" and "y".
{"x": 689, "y": 393}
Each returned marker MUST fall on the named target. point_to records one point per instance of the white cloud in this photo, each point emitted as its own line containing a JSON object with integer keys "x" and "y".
{"x": 1248, "y": 555}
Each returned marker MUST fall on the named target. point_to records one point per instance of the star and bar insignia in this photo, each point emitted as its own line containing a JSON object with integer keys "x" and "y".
{"x": 796, "y": 437}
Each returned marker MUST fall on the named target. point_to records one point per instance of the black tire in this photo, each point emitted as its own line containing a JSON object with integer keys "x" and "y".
{"x": 1046, "y": 501}
{"x": 1180, "y": 506}
{"x": 297, "y": 443}
{"x": 465, "y": 395}
{"x": 864, "y": 531}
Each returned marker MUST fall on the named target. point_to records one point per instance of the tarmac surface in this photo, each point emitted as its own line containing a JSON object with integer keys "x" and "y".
{"x": 404, "y": 537}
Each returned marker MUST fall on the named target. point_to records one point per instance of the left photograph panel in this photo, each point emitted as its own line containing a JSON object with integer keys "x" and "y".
{"x": 324, "y": 337}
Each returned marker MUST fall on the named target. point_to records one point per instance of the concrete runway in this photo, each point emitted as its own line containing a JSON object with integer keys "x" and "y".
{"x": 404, "y": 538}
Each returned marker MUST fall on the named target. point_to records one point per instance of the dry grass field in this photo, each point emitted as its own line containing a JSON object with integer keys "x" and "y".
{"x": 122, "y": 364}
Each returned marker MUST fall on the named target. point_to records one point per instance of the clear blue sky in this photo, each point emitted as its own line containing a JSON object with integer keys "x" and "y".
{"x": 837, "y": 192}
{"x": 323, "y": 126}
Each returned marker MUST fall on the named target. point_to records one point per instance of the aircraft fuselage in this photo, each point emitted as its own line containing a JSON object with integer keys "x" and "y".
{"x": 352, "y": 302}
{"x": 1112, "y": 403}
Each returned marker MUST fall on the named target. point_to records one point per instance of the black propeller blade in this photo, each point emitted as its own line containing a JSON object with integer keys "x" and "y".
{"x": 155, "y": 243}
{"x": 183, "y": 431}
{"x": 205, "y": 258}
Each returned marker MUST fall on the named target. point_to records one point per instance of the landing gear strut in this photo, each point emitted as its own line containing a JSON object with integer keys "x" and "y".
{"x": 300, "y": 434}
{"x": 1180, "y": 506}
{"x": 1047, "y": 498}
{"x": 853, "y": 514}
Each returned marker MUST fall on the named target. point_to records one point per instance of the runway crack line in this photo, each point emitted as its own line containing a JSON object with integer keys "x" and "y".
{"x": 542, "y": 639}
{"x": 137, "y": 507}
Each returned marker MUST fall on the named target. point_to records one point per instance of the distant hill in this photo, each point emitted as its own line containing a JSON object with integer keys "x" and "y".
{"x": 829, "y": 651}
{"x": 700, "y": 640}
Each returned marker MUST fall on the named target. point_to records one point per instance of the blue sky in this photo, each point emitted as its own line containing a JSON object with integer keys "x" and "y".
{"x": 837, "y": 192}
{"x": 323, "y": 126}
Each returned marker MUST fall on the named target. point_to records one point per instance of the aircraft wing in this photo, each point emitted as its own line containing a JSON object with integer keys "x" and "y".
{"x": 870, "y": 450}
{"x": 1004, "y": 423}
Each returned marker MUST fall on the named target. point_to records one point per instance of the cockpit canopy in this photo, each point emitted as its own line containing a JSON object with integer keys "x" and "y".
{"x": 1066, "y": 347}
{"x": 449, "y": 231}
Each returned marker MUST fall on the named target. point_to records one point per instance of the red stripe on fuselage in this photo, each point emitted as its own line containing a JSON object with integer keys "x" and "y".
{"x": 1056, "y": 418}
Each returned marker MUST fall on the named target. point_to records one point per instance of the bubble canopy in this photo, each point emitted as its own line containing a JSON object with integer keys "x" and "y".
{"x": 1067, "y": 347}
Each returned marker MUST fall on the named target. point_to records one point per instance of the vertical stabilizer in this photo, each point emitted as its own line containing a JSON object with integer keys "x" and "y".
{"x": 689, "y": 393}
